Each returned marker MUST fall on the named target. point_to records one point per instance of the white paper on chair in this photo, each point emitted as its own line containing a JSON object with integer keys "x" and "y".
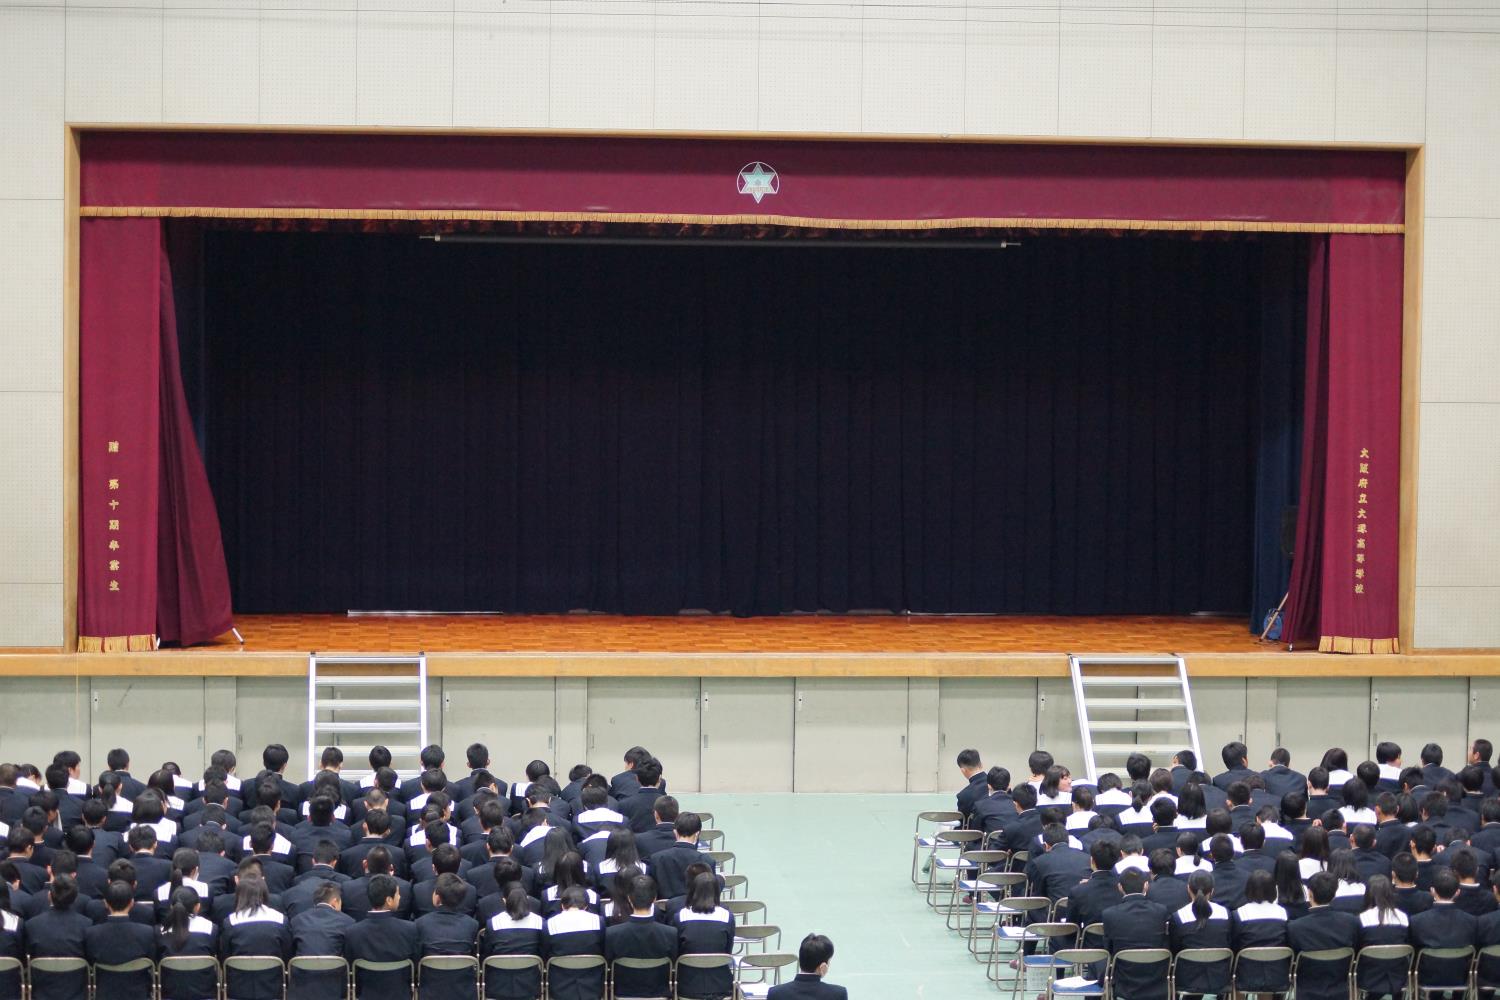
{"x": 1074, "y": 983}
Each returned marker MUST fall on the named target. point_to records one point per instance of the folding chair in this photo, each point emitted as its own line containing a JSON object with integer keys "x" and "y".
{"x": 1380, "y": 953}
{"x": 706, "y": 818}
{"x": 14, "y": 967}
{"x": 708, "y": 961}
{"x": 641, "y": 965}
{"x": 1439, "y": 985}
{"x": 250, "y": 964}
{"x": 920, "y": 841}
{"x": 436, "y": 966}
{"x": 724, "y": 861}
{"x": 954, "y": 840}
{"x": 733, "y": 884}
{"x": 762, "y": 965}
{"x": 746, "y": 935}
{"x": 578, "y": 963}
{"x": 187, "y": 964}
{"x": 107, "y": 972}
{"x": 710, "y": 840}
{"x": 1082, "y": 963}
{"x": 511, "y": 965}
{"x": 61, "y": 967}
{"x": 305, "y": 970}
{"x": 983, "y": 862}
{"x": 1043, "y": 936}
{"x": 1272, "y": 963}
{"x": 1482, "y": 981}
{"x": 363, "y": 967}
{"x": 1345, "y": 956}
{"x": 1010, "y": 925}
{"x": 987, "y": 884}
{"x": 1203, "y": 959}
{"x": 744, "y": 908}
{"x": 1139, "y": 956}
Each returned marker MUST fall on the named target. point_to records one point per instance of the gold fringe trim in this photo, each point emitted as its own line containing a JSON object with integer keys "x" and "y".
{"x": 116, "y": 643}
{"x": 1344, "y": 644}
{"x": 477, "y": 215}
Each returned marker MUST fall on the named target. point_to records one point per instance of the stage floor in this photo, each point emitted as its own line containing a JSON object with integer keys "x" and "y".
{"x": 721, "y": 634}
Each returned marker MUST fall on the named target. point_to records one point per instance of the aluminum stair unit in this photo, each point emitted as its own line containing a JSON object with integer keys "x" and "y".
{"x": 1129, "y": 704}
{"x": 356, "y": 702}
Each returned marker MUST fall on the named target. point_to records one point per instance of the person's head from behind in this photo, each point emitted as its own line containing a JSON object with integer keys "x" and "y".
{"x": 968, "y": 762}
{"x": 1235, "y": 755}
{"x": 478, "y": 756}
{"x": 814, "y": 954}
{"x": 1322, "y": 887}
{"x": 1138, "y": 766}
{"x": 703, "y": 893}
{"x": 687, "y": 826}
{"x": 383, "y": 892}
{"x": 1132, "y": 881}
{"x": 998, "y": 779}
{"x": 1388, "y": 753}
{"x": 1038, "y": 762}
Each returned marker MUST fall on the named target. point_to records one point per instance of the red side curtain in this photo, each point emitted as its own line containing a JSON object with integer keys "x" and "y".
{"x": 1344, "y": 573}
{"x": 151, "y": 559}
{"x": 192, "y": 599}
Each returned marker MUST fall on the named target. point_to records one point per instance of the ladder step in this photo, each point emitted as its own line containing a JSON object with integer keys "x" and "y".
{"x": 369, "y": 704}
{"x": 1158, "y": 681}
{"x": 1102, "y": 704}
{"x": 1126, "y": 749}
{"x": 1180, "y": 726}
{"x": 368, "y": 727}
{"x": 367, "y": 681}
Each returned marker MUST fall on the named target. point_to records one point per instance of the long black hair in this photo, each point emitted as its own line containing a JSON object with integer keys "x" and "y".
{"x": 185, "y": 903}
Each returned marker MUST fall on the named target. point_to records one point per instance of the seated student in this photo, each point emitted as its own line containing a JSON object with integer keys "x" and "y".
{"x": 1291, "y": 894}
{"x": 705, "y": 928}
{"x": 151, "y": 871}
{"x": 1487, "y": 837}
{"x": 1261, "y": 923}
{"x": 1471, "y": 781}
{"x": 1294, "y": 817}
{"x": 446, "y": 930}
{"x": 509, "y": 874}
{"x": 567, "y": 873}
{"x": 21, "y": 851}
{"x": 1412, "y": 898}
{"x": 320, "y": 929}
{"x": 537, "y": 816}
{"x": 1109, "y": 799}
{"x": 1055, "y": 788}
{"x": 332, "y": 761}
{"x": 266, "y": 846}
{"x": 1083, "y": 810}
{"x": 67, "y": 809}
{"x": 431, "y": 782}
{"x": 381, "y": 795}
{"x": 1388, "y": 760}
{"x": 614, "y": 895}
{"x": 1201, "y": 923}
{"x": 1184, "y": 763}
{"x": 1443, "y": 925}
{"x": 813, "y": 957}
{"x": 636, "y": 807}
{"x": 641, "y": 936}
{"x": 1338, "y": 836}
{"x": 445, "y": 861}
{"x": 92, "y": 877}
{"x": 489, "y": 818}
{"x": 143, "y": 912}
{"x": 108, "y": 845}
{"x": 972, "y": 769}
{"x": 1255, "y": 857}
{"x": 1323, "y": 929}
{"x": 1382, "y": 922}
{"x": 477, "y": 756}
{"x": 1433, "y": 771}
{"x": 595, "y": 816}
{"x": 1132, "y": 854}
{"x": 1163, "y": 825}
{"x": 1472, "y": 897}
{"x": 1056, "y": 868}
{"x": 1241, "y": 811}
{"x": 1278, "y": 837}
{"x": 1025, "y": 826}
{"x": 576, "y": 930}
{"x": 1192, "y": 812}
{"x": 1356, "y": 808}
{"x": 274, "y": 759}
{"x": 185, "y": 933}
{"x": 254, "y": 928}
{"x": 1100, "y": 828}
{"x": 668, "y": 866}
{"x": 995, "y": 810}
{"x": 383, "y": 937}
{"x": 356, "y": 891}
{"x": 515, "y": 930}
{"x": 1279, "y": 777}
{"x": 1188, "y": 859}
{"x": 1137, "y": 818}
{"x": 625, "y": 782}
{"x": 1367, "y": 857}
{"x": 466, "y": 811}
{"x": 436, "y": 834}
{"x": 213, "y": 867}
{"x": 483, "y": 875}
{"x": 1320, "y": 798}
{"x": 1391, "y": 835}
{"x": 1165, "y": 887}
{"x": 577, "y": 775}
{"x": 1435, "y": 815}
{"x": 619, "y": 852}
{"x": 1136, "y": 922}
{"x": 377, "y": 830}
{"x": 1236, "y": 758}
{"x": 322, "y": 823}
{"x": 1230, "y": 878}
{"x": 117, "y": 941}
{"x": 1352, "y": 890}
{"x": 185, "y": 874}
{"x": 1487, "y": 934}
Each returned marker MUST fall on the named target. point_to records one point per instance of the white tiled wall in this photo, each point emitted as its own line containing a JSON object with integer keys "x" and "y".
{"x": 1259, "y": 69}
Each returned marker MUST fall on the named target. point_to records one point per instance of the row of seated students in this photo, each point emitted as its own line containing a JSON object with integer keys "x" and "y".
{"x": 384, "y": 872}
{"x": 1384, "y": 854}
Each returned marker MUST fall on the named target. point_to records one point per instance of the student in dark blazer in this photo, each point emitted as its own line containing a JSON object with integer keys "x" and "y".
{"x": 356, "y": 892}
{"x": 119, "y": 940}
{"x": 1088, "y": 900}
{"x": 513, "y": 930}
{"x": 186, "y": 933}
{"x": 1323, "y": 929}
{"x": 1136, "y": 922}
{"x": 577, "y": 930}
{"x": 705, "y": 928}
{"x": 1023, "y": 829}
{"x": 1236, "y": 758}
{"x": 254, "y": 928}
{"x": 1261, "y": 922}
{"x": 636, "y": 807}
{"x": 974, "y": 788}
{"x": 1055, "y": 869}
{"x": 641, "y": 935}
{"x": 813, "y": 958}
{"x": 58, "y": 932}
{"x": 447, "y": 930}
{"x": 1201, "y": 923}
{"x": 1165, "y": 887}
{"x": 668, "y": 867}
{"x": 994, "y": 810}
{"x": 1382, "y": 922}
{"x": 320, "y": 930}
{"x": 382, "y": 937}
{"x": 1443, "y": 925}
{"x": 1279, "y": 777}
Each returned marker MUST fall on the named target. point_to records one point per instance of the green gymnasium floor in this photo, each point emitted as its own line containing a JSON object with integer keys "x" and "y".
{"x": 838, "y": 864}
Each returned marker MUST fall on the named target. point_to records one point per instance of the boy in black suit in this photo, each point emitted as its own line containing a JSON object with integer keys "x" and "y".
{"x": 812, "y": 964}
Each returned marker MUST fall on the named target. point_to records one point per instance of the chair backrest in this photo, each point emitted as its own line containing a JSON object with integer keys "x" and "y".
{"x": 1004, "y": 881}
{"x": 986, "y": 858}
{"x": 190, "y": 963}
{"x": 447, "y": 963}
{"x": 319, "y": 963}
{"x": 641, "y": 963}
{"x": 768, "y": 960}
{"x": 1465, "y": 953}
{"x": 1384, "y": 953}
{"x": 1204, "y": 956}
{"x": 1265, "y": 953}
{"x": 721, "y": 859}
{"x": 577, "y": 963}
{"x": 58, "y": 965}
{"x": 513, "y": 963}
{"x": 1080, "y": 956}
{"x": 707, "y": 838}
{"x": 705, "y": 961}
{"x": 1095, "y": 930}
{"x": 734, "y": 883}
{"x": 757, "y": 932}
{"x": 1143, "y": 956}
{"x": 938, "y": 816}
{"x": 134, "y": 965}
{"x": 957, "y": 838}
{"x": 381, "y": 968}
{"x": 706, "y": 818}
{"x": 1025, "y": 904}
{"x": 743, "y": 907}
{"x": 253, "y": 963}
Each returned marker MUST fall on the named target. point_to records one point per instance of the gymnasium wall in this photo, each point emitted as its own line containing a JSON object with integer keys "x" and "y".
{"x": 740, "y": 734}
{"x": 1320, "y": 70}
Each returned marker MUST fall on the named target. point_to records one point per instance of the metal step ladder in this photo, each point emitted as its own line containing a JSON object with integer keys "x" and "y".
{"x": 1134, "y": 704}
{"x": 356, "y": 702}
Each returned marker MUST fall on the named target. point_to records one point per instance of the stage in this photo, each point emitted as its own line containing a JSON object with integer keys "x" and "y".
{"x": 880, "y": 645}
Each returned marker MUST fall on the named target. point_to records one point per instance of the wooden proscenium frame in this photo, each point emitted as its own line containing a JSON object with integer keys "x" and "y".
{"x": 16, "y": 662}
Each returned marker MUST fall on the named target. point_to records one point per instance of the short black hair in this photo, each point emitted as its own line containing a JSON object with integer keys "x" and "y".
{"x": 968, "y": 758}
{"x": 382, "y": 888}
{"x": 432, "y": 757}
{"x": 1234, "y": 753}
{"x": 1281, "y": 757}
{"x": 478, "y": 755}
{"x": 815, "y": 950}
{"x": 274, "y": 757}
{"x": 1432, "y": 753}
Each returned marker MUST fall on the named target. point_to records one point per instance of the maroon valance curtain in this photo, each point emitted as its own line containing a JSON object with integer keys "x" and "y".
{"x": 1343, "y": 592}
{"x": 151, "y": 558}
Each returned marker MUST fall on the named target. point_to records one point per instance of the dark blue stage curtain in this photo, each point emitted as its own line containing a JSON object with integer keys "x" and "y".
{"x": 1071, "y": 426}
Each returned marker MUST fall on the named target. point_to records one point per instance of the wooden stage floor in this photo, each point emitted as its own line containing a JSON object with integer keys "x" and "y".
{"x": 854, "y": 634}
